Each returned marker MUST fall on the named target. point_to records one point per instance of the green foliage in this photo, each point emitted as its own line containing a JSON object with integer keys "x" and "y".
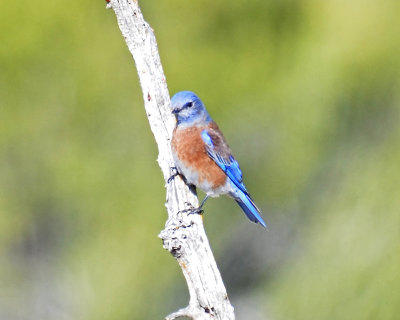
{"x": 307, "y": 94}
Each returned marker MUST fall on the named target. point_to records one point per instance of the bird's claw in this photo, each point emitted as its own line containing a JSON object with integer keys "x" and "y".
{"x": 174, "y": 174}
{"x": 196, "y": 211}
{"x": 192, "y": 210}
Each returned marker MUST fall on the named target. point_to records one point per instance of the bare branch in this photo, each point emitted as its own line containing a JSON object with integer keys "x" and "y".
{"x": 184, "y": 234}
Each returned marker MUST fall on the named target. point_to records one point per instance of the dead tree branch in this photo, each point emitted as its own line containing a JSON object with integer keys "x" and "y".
{"x": 184, "y": 235}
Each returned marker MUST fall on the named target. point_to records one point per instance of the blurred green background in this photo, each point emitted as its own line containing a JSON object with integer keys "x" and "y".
{"x": 307, "y": 94}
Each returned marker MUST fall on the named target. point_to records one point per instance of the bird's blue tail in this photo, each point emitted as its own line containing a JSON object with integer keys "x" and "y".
{"x": 250, "y": 209}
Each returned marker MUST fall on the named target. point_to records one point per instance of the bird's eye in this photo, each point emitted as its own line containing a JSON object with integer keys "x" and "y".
{"x": 188, "y": 105}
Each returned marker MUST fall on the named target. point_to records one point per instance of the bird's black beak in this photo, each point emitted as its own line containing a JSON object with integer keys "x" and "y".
{"x": 176, "y": 110}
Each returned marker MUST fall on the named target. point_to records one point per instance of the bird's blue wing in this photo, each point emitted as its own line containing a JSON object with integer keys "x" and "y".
{"x": 219, "y": 151}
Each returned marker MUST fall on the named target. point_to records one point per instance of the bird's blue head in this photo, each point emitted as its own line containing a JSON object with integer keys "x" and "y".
{"x": 188, "y": 109}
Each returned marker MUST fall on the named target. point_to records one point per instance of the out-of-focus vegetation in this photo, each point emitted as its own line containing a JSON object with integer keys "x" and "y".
{"x": 307, "y": 93}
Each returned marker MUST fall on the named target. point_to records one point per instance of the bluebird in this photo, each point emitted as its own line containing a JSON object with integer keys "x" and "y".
{"x": 203, "y": 157}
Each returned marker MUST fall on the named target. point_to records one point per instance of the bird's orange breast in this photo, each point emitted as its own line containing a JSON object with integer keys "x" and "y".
{"x": 190, "y": 149}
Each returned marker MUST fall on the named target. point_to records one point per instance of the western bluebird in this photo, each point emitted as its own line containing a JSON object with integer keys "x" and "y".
{"x": 203, "y": 157}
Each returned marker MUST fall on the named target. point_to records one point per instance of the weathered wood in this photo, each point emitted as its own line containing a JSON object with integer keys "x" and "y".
{"x": 184, "y": 234}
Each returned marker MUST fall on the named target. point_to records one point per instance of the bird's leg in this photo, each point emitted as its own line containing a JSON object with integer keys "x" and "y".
{"x": 191, "y": 209}
{"x": 203, "y": 202}
{"x": 175, "y": 173}
{"x": 199, "y": 210}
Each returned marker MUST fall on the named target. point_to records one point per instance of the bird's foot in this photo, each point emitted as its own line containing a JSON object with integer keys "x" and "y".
{"x": 175, "y": 173}
{"x": 196, "y": 211}
{"x": 193, "y": 210}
